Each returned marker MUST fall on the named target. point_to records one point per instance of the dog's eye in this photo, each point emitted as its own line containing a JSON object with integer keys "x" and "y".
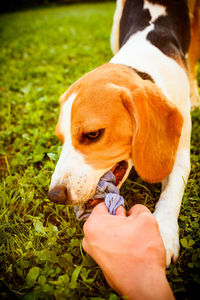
{"x": 94, "y": 135}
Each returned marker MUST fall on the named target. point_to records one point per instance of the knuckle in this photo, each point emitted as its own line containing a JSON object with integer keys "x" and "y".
{"x": 84, "y": 244}
{"x": 88, "y": 229}
{"x": 149, "y": 220}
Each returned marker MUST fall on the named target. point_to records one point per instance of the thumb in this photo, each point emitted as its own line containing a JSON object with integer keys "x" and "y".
{"x": 138, "y": 209}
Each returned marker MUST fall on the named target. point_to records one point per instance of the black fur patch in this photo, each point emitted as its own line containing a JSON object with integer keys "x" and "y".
{"x": 134, "y": 18}
{"x": 171, "y": 33}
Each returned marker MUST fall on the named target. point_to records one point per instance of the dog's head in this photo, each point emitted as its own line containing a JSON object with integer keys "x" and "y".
{"x": 107, "y": 117}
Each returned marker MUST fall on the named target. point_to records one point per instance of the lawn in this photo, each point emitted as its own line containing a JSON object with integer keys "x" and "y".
{"x": 42, "y": 52}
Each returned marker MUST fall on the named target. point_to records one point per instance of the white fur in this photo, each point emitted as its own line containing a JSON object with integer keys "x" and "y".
{"x": 168, "y": 206}
{"x": 72, "y": 170}
{"x": 155, "y": 10}
{"x": 140, "y": 54}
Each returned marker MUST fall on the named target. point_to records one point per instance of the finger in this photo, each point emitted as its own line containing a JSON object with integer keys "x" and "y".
{"x": 120, "y": 211}
{"x": 138, "y": 209}
{"x": 100, "y": 209}
{"x": 85, "y": 245}
{"x": 95, "y": 221}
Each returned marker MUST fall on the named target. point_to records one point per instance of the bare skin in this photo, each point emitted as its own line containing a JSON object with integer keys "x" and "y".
{"x": 129, "y": 250}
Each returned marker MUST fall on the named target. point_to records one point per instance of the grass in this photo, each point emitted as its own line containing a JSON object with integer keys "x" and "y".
{"x": 42, "y": 52}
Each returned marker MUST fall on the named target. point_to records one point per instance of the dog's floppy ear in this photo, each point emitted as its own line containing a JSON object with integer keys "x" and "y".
{"x": 157, "y": 126}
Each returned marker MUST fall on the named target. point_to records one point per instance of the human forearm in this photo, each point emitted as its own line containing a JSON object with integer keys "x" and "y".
{"x": 149, "y": 285}
{"x": 130, "y": 252}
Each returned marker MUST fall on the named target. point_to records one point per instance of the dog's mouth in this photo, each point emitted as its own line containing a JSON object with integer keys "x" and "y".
{"x": 119, "y": 170}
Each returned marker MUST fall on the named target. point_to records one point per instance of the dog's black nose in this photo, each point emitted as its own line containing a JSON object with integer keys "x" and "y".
{"x": 58, "y": 194}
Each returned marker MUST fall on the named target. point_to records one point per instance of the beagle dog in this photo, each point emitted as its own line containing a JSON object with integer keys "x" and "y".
{"x": 134, "y": 111}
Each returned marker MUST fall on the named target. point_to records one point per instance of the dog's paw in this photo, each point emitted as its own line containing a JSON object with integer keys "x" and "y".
{"x": 169, "y": 231}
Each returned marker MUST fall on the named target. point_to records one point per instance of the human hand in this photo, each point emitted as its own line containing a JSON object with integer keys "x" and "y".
{"x": 129, "y": 250}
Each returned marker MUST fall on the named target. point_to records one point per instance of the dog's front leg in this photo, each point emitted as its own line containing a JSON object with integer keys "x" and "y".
{"x": 168, "y": 207}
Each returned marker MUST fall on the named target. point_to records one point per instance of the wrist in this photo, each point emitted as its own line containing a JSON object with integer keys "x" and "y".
{"x": 149, "y": 283}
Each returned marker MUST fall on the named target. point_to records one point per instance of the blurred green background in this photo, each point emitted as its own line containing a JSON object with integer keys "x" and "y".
{"x": 43, "y": 50}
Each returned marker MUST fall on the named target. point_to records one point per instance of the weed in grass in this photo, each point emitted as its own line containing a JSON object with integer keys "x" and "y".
{"x": 42, "y": 52}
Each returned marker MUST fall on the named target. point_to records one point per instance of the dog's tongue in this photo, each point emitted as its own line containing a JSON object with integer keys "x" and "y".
{"x": 119, "y": 170}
